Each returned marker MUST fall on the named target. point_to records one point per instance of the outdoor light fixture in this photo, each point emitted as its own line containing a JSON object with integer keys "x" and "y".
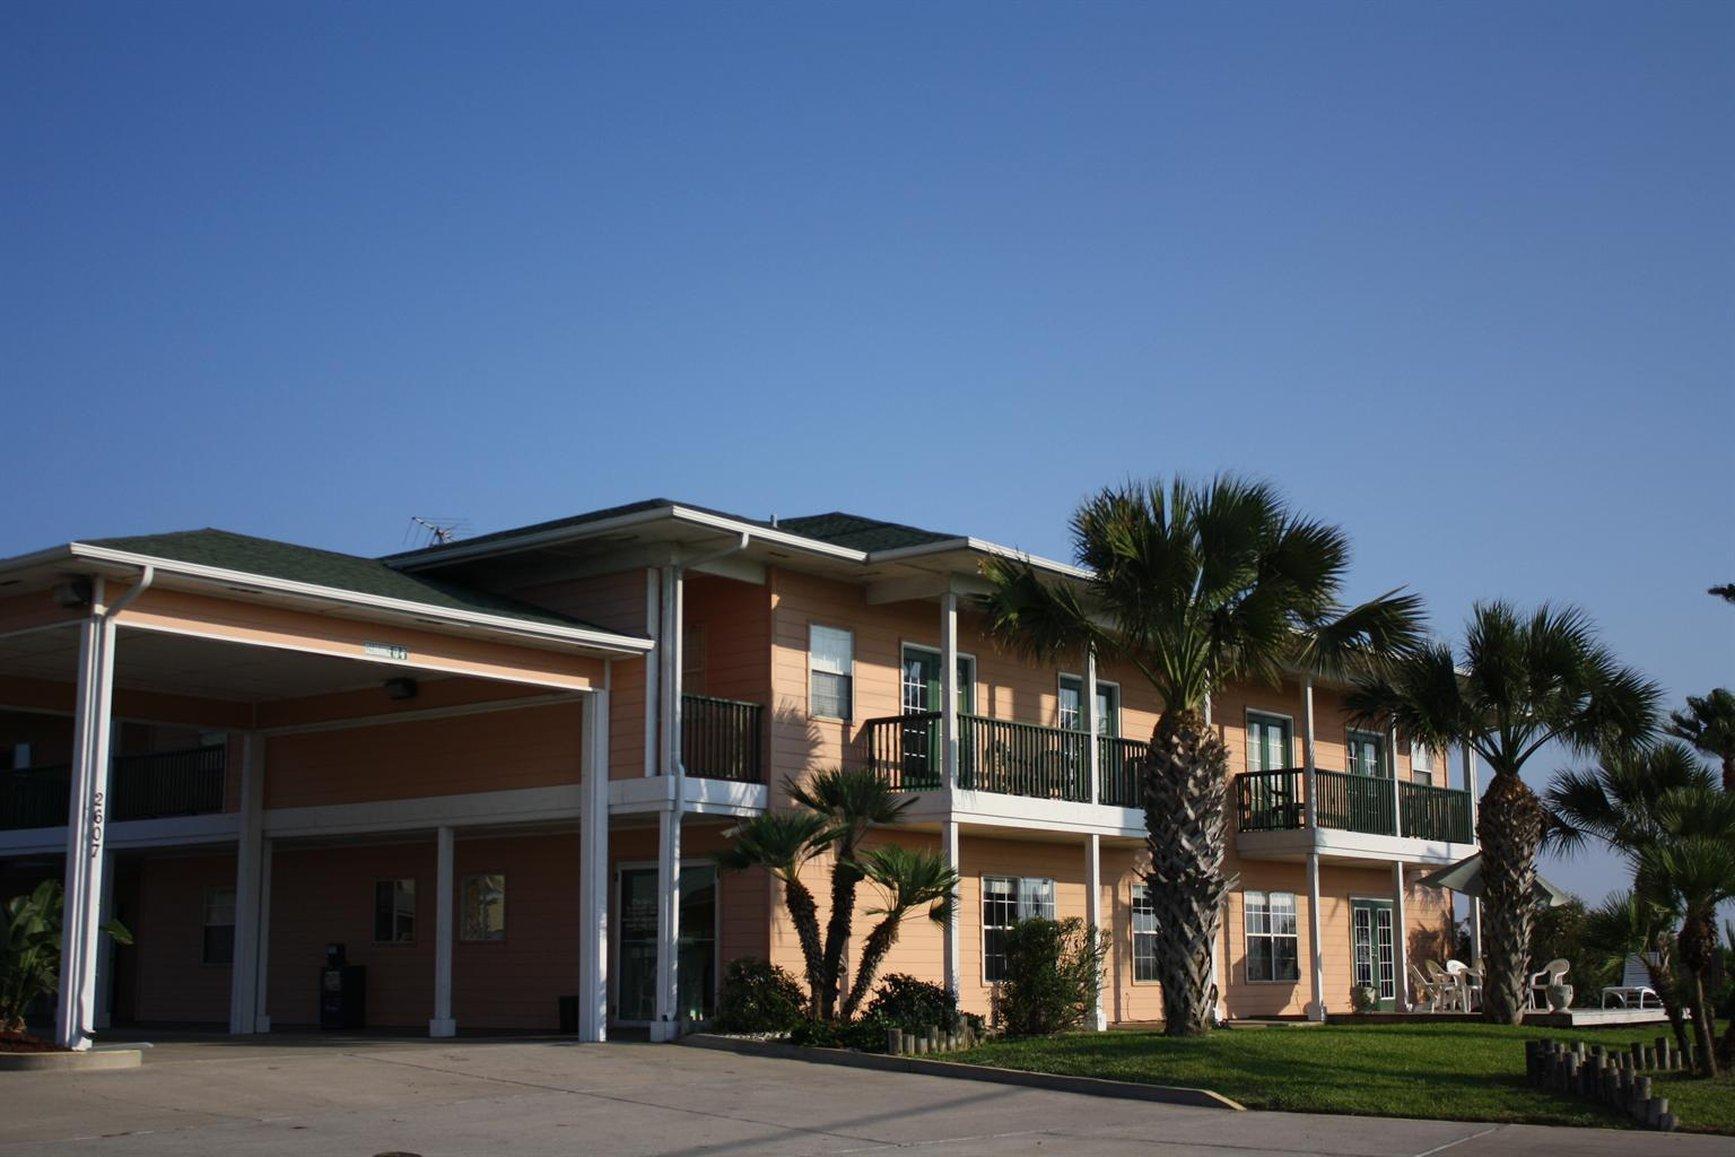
{"x": 401, "y": 688}
{"x": 72, "y": 593}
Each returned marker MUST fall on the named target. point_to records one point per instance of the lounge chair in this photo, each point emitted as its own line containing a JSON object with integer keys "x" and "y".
{"x": 1635, "y": 985}
{"x": 1553, "y": 973}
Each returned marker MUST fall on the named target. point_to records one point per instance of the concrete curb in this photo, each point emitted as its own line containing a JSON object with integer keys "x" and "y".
{"x": 90, "y": 1061}
{"x": 1055, "y": 1082}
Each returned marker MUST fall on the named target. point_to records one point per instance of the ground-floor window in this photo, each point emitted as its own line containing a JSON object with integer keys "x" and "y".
{"x": 219, "y": 945}
{"x": 1144, "y": 934}
{"x": 394, "y": 911}
{"x": 1272, "y": 943}
{"x": 1005, "y": 901}
{"x": 696, "y": 960}
{"x": 483, "y": 907}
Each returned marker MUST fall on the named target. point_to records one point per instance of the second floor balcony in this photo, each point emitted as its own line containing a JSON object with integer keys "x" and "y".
{"x": 157, "y": 785}
{"x": 1268, "y": 801}
{"x": 995, "y": 755}
{"x": 723, "y": 738}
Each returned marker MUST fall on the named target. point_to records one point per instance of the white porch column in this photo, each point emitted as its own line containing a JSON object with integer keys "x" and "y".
{"x": 261, "y": 972}
{"x": 105, "y": 946}
{"x": 1092, "y": 726}
{"x": 249, "y": 857}
{"x": 593, "y": 878}
{"x": 442, "y": 1023}
{"x": 1093, "y": 913}
{"x": 1397, "y": 790}
{"x": 949, "y": 834}
{"x": 1400, "y": 936}
{"x": 1472, "y": 786}
{"x": 1309, "y": 757}
{"x": 1316, "y": 954}
{"x": 667, "y": 1026}
{"x": 87, "y": 808}
{"x": 1093, "y": 842}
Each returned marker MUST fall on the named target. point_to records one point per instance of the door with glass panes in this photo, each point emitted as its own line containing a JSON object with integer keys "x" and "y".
{"x": 920, "y": 695}
{"x": 1372, "y": 952}
{"x": 1369, "y": 789}
{"x": 635, "y": 986}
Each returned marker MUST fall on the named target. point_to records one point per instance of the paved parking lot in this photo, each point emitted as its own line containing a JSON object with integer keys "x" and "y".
{"x": 315, "y": 1095}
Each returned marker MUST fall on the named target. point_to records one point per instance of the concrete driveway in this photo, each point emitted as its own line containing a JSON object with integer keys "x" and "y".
{"x": 330, "y": 1098}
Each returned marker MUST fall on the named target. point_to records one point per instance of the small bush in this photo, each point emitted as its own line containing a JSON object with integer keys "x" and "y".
{"x": 1053, "y": 970}
{"x": 758, "y": 996}
{"x": 913, "y": 1005}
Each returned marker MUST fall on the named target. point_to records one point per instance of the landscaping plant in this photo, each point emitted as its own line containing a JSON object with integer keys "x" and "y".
{"x": 1522, "y": 682}
{"x": 1195, "y": 586}
{"x": 1053, "y": 973}
{"x": 758, "y": 996}
{"x": 30, "y": 951}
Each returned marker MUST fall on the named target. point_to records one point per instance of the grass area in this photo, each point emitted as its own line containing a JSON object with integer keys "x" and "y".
{"x": 1468, "y": 1072}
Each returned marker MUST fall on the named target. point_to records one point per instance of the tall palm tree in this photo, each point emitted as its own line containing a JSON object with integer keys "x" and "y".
{"x": 1526, "y": 681}
{"x": 910, "y": 879}
{"x": 853, "y": 801}
{"x": 782, "y": 842}
{"x": 1708, "y": 724}
{"x": 1196, "y": 586}
{"x": 1691, "y": 869}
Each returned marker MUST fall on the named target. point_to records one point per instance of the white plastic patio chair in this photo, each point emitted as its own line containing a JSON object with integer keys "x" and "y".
{"x": 1447, "y": 987}
{"x": 1428, "y": 992}
{"x": 1553, "y": 973}
{"x": 1635, "y": 985}
{"x": 1468, "y": 983}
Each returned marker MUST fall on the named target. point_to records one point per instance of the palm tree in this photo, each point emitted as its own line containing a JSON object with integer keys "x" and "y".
{"x": 1628, "y": 925}
{"x": 852, "y": 803}
{"x": 910, "y": 879}
{"x": 1708, "y": 724}
{"x": 1726, "y": 592}
{"x": 782, "y": 842}
{"x": 1195, "y": 586}
{"x": 1692, "y": 870}
{"x": 1526, "y": 681}
{"x": 30, "y": 950}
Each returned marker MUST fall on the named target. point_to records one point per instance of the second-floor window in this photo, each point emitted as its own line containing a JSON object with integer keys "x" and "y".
{"x": 1005, "y": 901}
{"x": 1144, "y": 934}
{"x": 1367, "y": 754}
{"x": 1422, "y": 764}
{"x": 831, "y": 672}
{"x": 1268, "y": 742}
{"x": 920, "y": 680}
{"x": 1108, "y": 706}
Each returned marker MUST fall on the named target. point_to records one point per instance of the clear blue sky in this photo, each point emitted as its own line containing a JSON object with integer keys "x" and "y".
{"x": 1460, "y": 277}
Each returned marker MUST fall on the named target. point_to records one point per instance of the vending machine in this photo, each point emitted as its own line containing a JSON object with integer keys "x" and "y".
{"x": 342, "y": 991}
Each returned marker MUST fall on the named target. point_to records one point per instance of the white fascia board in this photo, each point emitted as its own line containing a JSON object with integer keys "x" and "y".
{"x": 1336, "y": 844}
{"x": 210, "y": 828}
{"x": 1025, "y": 813}
{"x": 520, "y": 630}
{"x": 642, "y": 794}
{"x": 980, "y": 546}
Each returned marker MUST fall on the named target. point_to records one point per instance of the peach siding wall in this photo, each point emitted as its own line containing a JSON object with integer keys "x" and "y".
{"x": 495, "y": 751}
{"x": 733, "y": 620}
{"x": 172, "y": 984}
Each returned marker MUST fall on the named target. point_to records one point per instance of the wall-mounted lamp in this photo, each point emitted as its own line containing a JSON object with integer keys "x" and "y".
{"x": 401, "y": 688}
{"x": 72, "y": 593}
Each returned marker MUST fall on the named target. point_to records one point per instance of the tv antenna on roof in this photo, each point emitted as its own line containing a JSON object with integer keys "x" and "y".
{"x": 439, "y": 531}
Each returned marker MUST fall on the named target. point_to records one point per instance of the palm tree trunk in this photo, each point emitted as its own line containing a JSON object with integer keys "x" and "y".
{"x": 1185, "y": 788}
{"x": 804, "y": 914}
{"x": 1662, "y": 975}
{"x": 873, "y": 954}
{"x": 845, "y": 875}
{"x": 1509, "y": 827}
{"x": 1698, "y": 947}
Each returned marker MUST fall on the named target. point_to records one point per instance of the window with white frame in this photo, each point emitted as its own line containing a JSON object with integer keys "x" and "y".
{"x": 1273, "y": 951}
{"x": 394, "y": 911}
{"x": 1108, "y": 705}
{"x": 831, "y": 671}
{"x": 483, "y": 906}
{"x": 1144, "y": 934}
{"x": 1005, "y": 901}
{"x": 1268, "y": 742}
{"x": 219, "y": 935}
{"x": 1422, "y": 764}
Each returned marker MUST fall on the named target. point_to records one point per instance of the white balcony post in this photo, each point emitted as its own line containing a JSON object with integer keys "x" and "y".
{"x": 1093, "y": 842}
{"x": 1093, "y": 913}
{"x": 442, "y": 1024}
{"x": 1309, "y": 760}
{"x": 593, "y": 876}
{"x": 262, "y": 970}
{"x": 1400, "y": 936}
{"x": 249, "y": 857}
{"x": 1316, "y": 953}
{"x": 667, "y": 1026}
{"x": 1475, "y": 914}
{"x": 105, "y": 948}
{"x": 949, "y": 751}
{"x": 1397, "y": 790}
{"x": 87, "y": 815}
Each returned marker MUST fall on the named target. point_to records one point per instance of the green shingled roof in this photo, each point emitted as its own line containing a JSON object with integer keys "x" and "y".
{"x": 858, "y": 533}
{"x": 327, "y": 568}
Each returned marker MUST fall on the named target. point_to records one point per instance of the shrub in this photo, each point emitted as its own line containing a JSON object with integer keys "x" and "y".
{"x": 913, "y": 1005}
{"x": 1053, "y": 970}
{"x": 758, "y": 996}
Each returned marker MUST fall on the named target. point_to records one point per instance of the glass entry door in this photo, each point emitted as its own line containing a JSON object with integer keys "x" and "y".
{"x": 920, "y": 683}
{"x": 636, "y": 944}
{"x": 1372, "y": 952}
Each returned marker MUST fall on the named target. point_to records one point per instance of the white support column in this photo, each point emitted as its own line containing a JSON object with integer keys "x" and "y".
{"x": 106, "y": 946}
{"x": 87, "y": 814}
{"x": 1397, "y": 791}
{"x": 1400, "y": 936}
{"x": 249, "y": 854}
{"x": 653, "y": 672}
{"x": 1474, "y": 787}
{"x": 667, "y": 1026}
{"x": 1316, "y": 970}
{"x": 442, "y": 1023}
{"x": 949, "y": 834}
{"x": 1093, "y": 914}
{"x": 261, "y": 997}
{"x": 1309, "y": 758}
{"x": 593, "y": 877}
{"x": 952, "y": 963}
{"x": 1092, "y": 726}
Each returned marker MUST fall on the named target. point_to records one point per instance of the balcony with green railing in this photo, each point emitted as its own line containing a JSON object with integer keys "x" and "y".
{"x": 157, "y": 785}
{"x": 723, "y": 738}
{"x": 1276, "y": 801}
{"x": 996, "y": 755}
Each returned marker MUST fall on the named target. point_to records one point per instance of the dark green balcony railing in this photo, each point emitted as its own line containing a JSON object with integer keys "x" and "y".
{"x": 1435, "y": 813}
{"x": 722, "y": 739}
{"x": 156, "y": 785}
{"x": 1000, "y": 756}
{"x": 1275, "y": 801}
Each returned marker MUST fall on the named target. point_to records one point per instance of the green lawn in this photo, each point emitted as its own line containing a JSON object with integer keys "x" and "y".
{"x": 1470, "y": 1072}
